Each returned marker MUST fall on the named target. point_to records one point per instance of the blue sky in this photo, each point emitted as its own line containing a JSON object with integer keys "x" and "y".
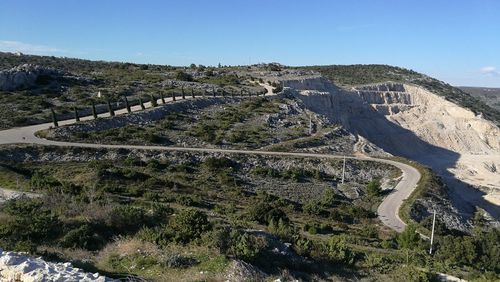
{"x": 456, "y": 41}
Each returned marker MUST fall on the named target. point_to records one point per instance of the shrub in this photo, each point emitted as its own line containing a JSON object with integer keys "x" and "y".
{"x": 263, "y": 213}
{"x": 82, "y": 237}
{"x": 189, "y": 225}
{"x": 282, "y": 229}
{"x": 373, "y": 188}
{"x": 313, "y": 207}
{"x": 127, "y": 218}
{"x": 180, "y": 75}
{"x": 338, "y": 250}
{"x": 29, "y": 221}
{"x": 245, "y": 246}
{"x": 328, "y": 198}
{"x": 409, "y": 238}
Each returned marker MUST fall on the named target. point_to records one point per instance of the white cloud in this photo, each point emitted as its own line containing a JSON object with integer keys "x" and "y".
{"x": 139, "y": 54}
{"x": 16, "y": 46}
{"x": 489, "y": 70}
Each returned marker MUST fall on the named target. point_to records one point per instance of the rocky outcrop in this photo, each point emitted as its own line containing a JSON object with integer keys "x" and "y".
{"x": 24, "y": 76}
{"x": 432, "y": 118}
{"x": 19, "y": 267}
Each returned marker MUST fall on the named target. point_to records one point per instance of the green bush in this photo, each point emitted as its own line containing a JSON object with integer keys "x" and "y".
{"x": 409, "y": 238}
{"x": 338, "y": 250}
{"x": 281, "y": 229}
{"x": 127, "y": 219}
{"x": 245, "y": 246}
{"x": 313, "y": 207}
{"x": 180, "y": 75}
{"x": 82, "y": 237}
{"x": 263, "y": 213}
{"x": 28, "y": 221}
{"x": 373, "y": 188}
{"x": 189, "y": 225}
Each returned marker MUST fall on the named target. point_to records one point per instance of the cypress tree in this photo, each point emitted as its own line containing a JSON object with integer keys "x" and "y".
{"x": 192, "y": 93}
{"x": 110, "y": 109}
{"x": 154, "y": 103}
{"x": 173, "y": 96}
{"x": 127, "y": 104}
{"x": 213, "y": 91}
{"x": 54, "y": 117}
{"x": 204, "y": 93}
{"x": 162, "y": 98}
{"x": 141, "y": 103}
{"x": 77, "y": 117}
{"x": 94, "y": 112}
{"x": 183, "y": 94}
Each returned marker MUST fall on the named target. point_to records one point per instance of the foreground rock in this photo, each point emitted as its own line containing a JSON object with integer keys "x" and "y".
{"x": 19, "y": 267}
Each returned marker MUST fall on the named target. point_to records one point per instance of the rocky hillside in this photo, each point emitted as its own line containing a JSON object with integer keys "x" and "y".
{"x": 411, "y": 121}
{"x": 490, "y": 96}
{"x": 354, "y": 75}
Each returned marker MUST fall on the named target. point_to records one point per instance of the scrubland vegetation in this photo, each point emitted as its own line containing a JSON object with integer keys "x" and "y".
{"x": 176, "y": 218}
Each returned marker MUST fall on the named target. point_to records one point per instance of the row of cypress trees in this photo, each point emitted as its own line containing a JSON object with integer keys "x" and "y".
{"x": 154, "y": 103}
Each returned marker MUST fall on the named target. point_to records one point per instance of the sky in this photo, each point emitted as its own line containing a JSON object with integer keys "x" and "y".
{"x": 456, "y": 41}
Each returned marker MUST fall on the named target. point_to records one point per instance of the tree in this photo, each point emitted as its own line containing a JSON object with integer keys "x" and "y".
{"x": 204, "y": 93}
{"x": 373, "y": 188}
{"x": 409, "y": 238}
{"x": 180, "y": 75}
{"x": 141, "y": 103}
{"x": 127, "y": 104}
{"x": 192, "y": 93}
{"x": 77, "y": 117}
{"x": 183, "y": 93}
{"x": 54, "y": 118}
{"x": 162, "y": 97}
{"x": 94, "y": 112}
{"x": 110, "y": 109}
{"x": 154, "y": 103}
{"x": 173, "y": 96}
{"x": 213, "y": 92}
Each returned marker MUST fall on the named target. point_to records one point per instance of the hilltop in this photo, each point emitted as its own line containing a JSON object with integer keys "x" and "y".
{"x": 238, "y": 172}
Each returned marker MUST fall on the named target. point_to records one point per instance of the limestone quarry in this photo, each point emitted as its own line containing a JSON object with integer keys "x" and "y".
{"x": 409, "y": 121}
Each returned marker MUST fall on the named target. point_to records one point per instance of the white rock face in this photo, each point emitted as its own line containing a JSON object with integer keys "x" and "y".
{"x": 22, "y": 76}
{"x": 18, "y": 267}
{"x": 433, "y": 119}
{"x": 409, "y": 121}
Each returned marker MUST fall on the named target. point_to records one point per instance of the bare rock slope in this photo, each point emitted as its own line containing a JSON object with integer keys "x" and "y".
{"x": 409, "y": 121}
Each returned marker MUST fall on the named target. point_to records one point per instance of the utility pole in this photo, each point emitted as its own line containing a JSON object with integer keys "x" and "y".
{"x": 432, "y": 233}
{"x": 343, "y": 172}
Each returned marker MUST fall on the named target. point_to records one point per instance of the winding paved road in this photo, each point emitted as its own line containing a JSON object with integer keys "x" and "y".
{"x": 387, "y": 211}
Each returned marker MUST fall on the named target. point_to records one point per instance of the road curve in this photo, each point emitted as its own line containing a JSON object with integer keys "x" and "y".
{"x": 387, "y": 211}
